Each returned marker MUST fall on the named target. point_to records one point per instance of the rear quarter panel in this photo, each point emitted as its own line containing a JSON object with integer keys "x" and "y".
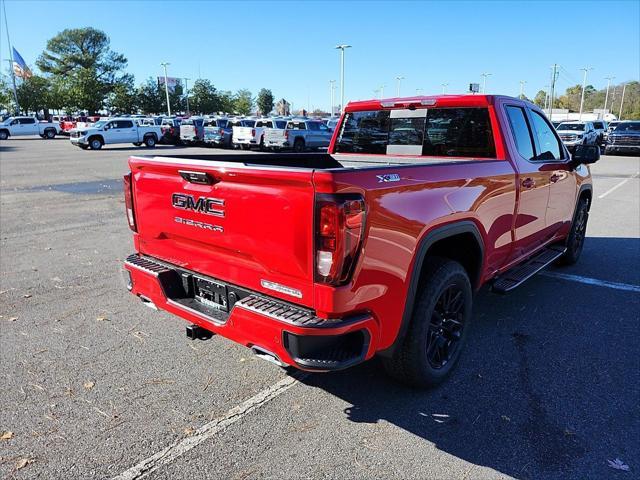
{"x": 401, "y": 214}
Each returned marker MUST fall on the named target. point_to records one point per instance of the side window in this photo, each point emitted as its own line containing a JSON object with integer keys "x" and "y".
{"x": 125, "y": 124}
{"x": 548, "y": 143}
{"x": 323, "y": 127}
{"x": 313, "y": 126}
{"x": 27, "y": 121}
{"x": 15, "y": 122}
{"x": 459, "y": 132}
{"x": 260, "y": 123}
{"x": 521, "y": 132}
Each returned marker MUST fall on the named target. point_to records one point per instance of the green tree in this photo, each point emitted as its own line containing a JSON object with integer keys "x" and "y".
{"x": 243, "y": 102}
{"x": 203, "y": 97}
{"x": 227, "y": 101}
{"x": 33, "y": 94}
{"x": 6, "y": 94}
{"x": 265, "y": 101}
{"x": 84, "y": 58}
{"x": 540, "y": 98}
{"x": 150, "y": 97}
{"x": 123, "y": 98}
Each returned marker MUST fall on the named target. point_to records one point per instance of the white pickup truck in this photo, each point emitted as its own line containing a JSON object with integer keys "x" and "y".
{"x": 19, "y": 126}
{"x": 252, "y": 134}
{"x": 116, "y": 130}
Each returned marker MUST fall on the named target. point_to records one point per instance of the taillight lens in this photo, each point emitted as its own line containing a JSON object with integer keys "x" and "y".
{"x": 286, "y": 134}
{"x": 253, "y": 132}
{"x": 128, "y": 201}
{"x": 340, "y": 221}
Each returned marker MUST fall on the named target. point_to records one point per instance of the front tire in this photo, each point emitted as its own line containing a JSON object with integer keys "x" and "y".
{"x": 150, "y": 142}
{"x": 438, "y": 328}
{"x": 50, "y": 134}
{"x": 575, "y": 240}
{"x": 4, "y": 135}
{"x": 298, "y": 146}
{"x": 96, "y": 144}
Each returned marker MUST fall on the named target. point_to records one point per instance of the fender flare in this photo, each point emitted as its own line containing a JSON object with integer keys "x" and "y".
{"x": 91, "y": 137}
{"x": 435, "y": 235}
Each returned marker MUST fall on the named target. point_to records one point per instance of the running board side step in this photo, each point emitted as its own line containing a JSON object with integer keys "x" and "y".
{"x": 515, "y": 277}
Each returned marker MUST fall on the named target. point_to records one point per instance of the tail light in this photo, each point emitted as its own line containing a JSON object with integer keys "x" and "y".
{"x": 339, "y": 223}
{"x": 286, "y": 134}
{"x": 253, "y": 132}
{"x": 128, "y": 201}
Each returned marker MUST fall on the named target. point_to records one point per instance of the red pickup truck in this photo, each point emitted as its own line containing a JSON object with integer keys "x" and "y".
{"x": 321, "y": 261}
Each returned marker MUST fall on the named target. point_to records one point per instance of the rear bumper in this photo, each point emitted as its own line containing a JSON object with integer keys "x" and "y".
{"x": 245, "y": 141}
{"x": 308, "y": 343}
{"x": 277, "y": 143}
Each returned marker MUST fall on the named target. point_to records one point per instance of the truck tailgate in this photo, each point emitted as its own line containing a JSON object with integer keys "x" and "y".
{"x": 243, "y": 133}
{"x": 253, "y": 226}
{"x": 274, "y": 134}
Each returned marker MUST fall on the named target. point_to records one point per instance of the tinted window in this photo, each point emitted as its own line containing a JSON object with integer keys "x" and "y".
{"x": 628, "y": 127}
{"x": 123, "y": 124}
{"x": 313, "y": 126}
{"x": 547, "y": 142}
{"x": 578, "y": 127}
{"x": 521, "y": 132}
{"x": 296, "y": 126}
{"x": 27, "y": 121}
{"x": 459, "y": 132}
{"x": 406, "y": 131}
{"x": 187, "y": 122}
{"x": 364, "y": 132}
{"x": 281, "y": 124}
{"x": 222, "y": 123}
{"x": 598, "y": 125}
{"x": 323, "y": 127}
{"x": 248, "y": 123}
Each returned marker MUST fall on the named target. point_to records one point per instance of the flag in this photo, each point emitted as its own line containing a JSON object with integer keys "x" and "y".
{"x": 20, "y": 68}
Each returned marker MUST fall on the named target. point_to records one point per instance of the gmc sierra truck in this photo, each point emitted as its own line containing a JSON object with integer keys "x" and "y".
{"x": 321, "y": 261}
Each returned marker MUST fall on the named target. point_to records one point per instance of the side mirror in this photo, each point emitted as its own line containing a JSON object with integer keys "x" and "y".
{"x": 585, "y": 154}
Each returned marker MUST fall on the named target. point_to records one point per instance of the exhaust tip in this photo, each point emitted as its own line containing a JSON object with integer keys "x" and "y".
{"x": 265, "y": 354}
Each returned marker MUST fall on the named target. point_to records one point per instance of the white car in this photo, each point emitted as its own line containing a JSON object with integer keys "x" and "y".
{"x": 116, "y": 130}
{"x": 253, "y": 135}
{"x": 20, "y": 126}
{"x": 577, "y": 133}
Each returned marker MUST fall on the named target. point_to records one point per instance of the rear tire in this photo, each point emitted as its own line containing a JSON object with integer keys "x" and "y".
{"x": 4, "y": 134}
{"x": 298, "y": 145}
{"x": 575, "y": 240}
{"x": 438, "y": 328}
{"x": 50, "y": 134}
{"x": 150, "y": 141}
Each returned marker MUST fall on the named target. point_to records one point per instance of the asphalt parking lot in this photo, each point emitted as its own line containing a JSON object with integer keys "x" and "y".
{"x": 94, "y": 385}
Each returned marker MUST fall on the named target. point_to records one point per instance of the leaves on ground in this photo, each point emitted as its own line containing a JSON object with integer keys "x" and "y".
{"x": 6, "y": 435}
{"x": 618, "y": 465}
{"x": 89, "y": 385}
{"x": 189, "y": 430}
{"x": 23, "y": 462}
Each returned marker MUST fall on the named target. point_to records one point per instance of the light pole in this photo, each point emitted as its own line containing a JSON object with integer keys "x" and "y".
{"x": 166, "y": 86}
{"x": 382, "y": 90}
{"x": 624, "y": 87}
{"x": 332, "y": 87}
{"x": 342, "y": 48}
{"x": 399, "y": 78}
{"x": 584, "y": 84}
{"x": 522, "y": 83}
{"x": 484, "y": 81}
{"x": 186, "y": 96}
{"x": 444, "y": 87}
{"x": 606, "y": 97}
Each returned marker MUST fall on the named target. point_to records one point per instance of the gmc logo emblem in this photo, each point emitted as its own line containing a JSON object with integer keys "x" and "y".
{"x": 209, "y": 206}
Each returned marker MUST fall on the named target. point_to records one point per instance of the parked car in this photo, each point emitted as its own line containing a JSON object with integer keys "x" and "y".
{"x": 114, "y": 131}
{"x": 218, "y": 132}
{"x": 600, "y": 127}
{"x": 192, "y": 130}
{"x": 251, "y": 134}
{"x": 577, "y": 133}
{"x": 321, "y": 261}
{"x": 298, "y": 135}
{"x": 624, "y": 139}
{"x": 236, "y": 125}
{"x": 611, "y": 126}
{"x": 332, "y": 123}
{"x": 21, "y": 126}
{"x": 170, "y": 130}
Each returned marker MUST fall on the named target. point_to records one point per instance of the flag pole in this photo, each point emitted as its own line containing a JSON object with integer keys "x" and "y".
{"x": 13, "y": 73}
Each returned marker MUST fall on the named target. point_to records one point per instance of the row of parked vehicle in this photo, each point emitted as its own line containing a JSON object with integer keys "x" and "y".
{"x": 614, "y": 137}
{"x": 276, "y": 133}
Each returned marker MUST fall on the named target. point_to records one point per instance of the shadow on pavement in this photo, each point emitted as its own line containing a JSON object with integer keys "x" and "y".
{"x": 547, "y": 386}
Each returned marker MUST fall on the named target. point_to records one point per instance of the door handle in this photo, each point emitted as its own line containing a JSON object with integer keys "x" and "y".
{"x": 528, "y": 183}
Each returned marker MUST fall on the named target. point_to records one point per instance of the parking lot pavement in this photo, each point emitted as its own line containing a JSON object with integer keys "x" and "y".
{"x": 94, "y": 385}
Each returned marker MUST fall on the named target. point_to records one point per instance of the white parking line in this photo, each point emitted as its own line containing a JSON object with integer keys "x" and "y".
{"x": 593, "y": 281}
{"x": 180, "y": 447}
{"x": 615, "y": 187}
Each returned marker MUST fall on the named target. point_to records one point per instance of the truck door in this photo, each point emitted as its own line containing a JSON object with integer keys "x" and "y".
{"x": 532, "y": 183}
{"x": 562, "y": 182}
{"x": 125, "y": 131}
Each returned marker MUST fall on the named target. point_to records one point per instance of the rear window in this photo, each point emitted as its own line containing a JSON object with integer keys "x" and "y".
{"x": 248, "y": 123}
{"x": 441, "y": 132}
{"x": 598, "y": 125}
{"x": 296, "y": 126}
{"x": 281, "y": 124}
{"x": 264, "y": 123}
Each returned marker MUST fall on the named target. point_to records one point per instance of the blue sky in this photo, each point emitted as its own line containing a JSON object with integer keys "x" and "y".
{"x": 289, "y": 46}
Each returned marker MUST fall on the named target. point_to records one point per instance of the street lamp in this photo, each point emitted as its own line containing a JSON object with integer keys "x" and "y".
{"x": 399, "y": 78}
{"x": 166, "y": 86}
{"x": 484, "y": 81}
{"x": 332, "y": 87}
{"x": 606, "y": 98}
{"x": 342, "y": 48}
{"x": 444, "y": 87}
{"x": 186, "y": 96}
{"x": 382, "y": 90}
